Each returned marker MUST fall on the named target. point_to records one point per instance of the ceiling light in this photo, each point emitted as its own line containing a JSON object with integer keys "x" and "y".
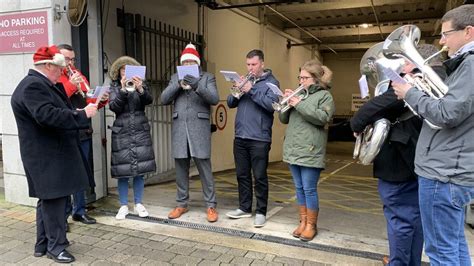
{"x": 364, "y": 25}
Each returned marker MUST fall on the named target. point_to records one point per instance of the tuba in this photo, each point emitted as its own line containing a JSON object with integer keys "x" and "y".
{"x": 369, "y": 142}
{"x": 401, "y": 44}
{"x": 283, "y": 105}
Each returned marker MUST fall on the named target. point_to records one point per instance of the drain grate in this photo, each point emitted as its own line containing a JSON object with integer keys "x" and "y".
{"x": 227, "y": 231}
{"x": 250, "y": 235}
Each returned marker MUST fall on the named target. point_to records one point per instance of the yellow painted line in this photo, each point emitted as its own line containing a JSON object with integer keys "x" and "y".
{"x": 232, "y": 182}
{"x": 273, "y": 211}
{"x": 334, "y": 172}
{"x": 338, "y": 206}
{"x": 352, "y": 177}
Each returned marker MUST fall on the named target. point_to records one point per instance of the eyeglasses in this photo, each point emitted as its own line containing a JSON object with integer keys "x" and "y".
{"x": 303, "y": 78}
{"x": 445, "y": 34}
{"x": 68, "y": 59}
{"x": 188, "y": 63}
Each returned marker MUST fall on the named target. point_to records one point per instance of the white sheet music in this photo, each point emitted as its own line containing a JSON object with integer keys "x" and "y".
{"x": 394, "y": 76}
{"x": 274, "y": 88}
{"x": 132, "y": 71}
{"x": 364, "y": 87}
{"x": 231, "y": 76}
{"x": 192, "y": 70}
{"x": 99, "y": 92}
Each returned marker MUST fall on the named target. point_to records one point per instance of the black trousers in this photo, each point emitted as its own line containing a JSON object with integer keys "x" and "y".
{"x": 51, "y": 226}
{"x": 252, "y": 155}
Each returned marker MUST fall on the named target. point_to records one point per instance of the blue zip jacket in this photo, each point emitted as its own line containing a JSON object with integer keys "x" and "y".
{"x": 255, "y": 112}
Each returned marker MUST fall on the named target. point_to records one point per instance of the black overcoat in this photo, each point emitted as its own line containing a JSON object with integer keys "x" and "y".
{"x": 49, "y": 138}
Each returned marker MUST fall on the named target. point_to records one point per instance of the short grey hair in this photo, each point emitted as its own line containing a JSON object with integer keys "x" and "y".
{"x": 460, "y": 17}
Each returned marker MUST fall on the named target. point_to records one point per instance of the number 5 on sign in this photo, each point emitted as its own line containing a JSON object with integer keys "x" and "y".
{"x": 221, "y": 116}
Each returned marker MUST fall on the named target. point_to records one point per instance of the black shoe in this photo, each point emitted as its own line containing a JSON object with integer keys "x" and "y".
{"x": 63, "y": 257}
{"x": 39, "y": 253}
{"x": 85, "y": 219}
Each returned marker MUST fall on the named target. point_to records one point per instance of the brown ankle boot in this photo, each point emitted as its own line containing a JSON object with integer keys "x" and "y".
{"x": 311, "y": 228}
{"x": 297, "y": 232}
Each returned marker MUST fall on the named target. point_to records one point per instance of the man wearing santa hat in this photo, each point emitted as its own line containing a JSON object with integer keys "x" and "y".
{"x": 49, "y": 146}
{"x": 192, "y": 99}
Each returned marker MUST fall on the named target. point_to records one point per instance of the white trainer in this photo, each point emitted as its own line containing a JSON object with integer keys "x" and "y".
{"x": 260, "y": 220}
{"x": 140, "y": 210}
{"x": 122, "y": 213}
{"x": 237, "y": 214}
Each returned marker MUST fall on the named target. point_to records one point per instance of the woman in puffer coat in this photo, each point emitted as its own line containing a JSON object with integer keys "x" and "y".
{"x": 132, "y": 150}
{"x": 304, "y": 148}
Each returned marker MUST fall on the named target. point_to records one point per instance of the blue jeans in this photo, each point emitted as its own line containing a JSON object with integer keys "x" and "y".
{"x": 306, "y": 183}
{"x": 138, "y": 187}
{"x": 402, "y": 213}
{"x": 442, "y": 215}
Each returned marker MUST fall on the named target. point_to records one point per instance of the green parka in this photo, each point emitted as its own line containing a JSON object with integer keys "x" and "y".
{"x": 306, "y": 134}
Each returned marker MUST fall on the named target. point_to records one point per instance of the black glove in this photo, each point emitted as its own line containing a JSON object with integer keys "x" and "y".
{"x": 191, "y": 81}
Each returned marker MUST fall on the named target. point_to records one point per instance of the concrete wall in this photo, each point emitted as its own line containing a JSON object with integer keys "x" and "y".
{"x": 346, "y": 74}
{"x": 225, "y": 27}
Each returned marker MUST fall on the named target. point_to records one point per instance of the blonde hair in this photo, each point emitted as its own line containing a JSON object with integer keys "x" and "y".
{"x": 319, "y": 72}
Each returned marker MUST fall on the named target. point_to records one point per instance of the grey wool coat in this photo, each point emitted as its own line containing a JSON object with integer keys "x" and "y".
{"x": 191, "y": 116}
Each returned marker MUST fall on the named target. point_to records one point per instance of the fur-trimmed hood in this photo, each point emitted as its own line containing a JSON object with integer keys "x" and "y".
{"x": 120, "y": 62}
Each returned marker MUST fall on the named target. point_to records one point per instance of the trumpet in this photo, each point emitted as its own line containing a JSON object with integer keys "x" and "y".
{"x": 283, "y": 105}
{"x": 237, "y": 91}
{"x": 71, "y": 72}
{"x": 184, "y": 85}
{"x": 129, "y": 85}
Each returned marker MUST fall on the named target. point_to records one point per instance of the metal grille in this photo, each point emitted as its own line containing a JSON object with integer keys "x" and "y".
{"x": 158, "y": 46}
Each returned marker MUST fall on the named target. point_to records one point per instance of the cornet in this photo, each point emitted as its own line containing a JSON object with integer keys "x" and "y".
{"x": 237, "y": 91}
{"x": 71, "y": 72}
{"x": 184, "y": 85}
{"x": 129, "y": 85}
{"x": 284, "y": 105}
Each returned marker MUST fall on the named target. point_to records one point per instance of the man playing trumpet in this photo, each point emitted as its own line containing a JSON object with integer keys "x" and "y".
{"x": 76, "y": 86}
{"x": 253, "y": 136}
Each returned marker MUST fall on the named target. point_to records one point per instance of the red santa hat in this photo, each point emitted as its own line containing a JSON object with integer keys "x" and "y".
{"x": 190, "y": 53}
{"x": 50, "y": 55}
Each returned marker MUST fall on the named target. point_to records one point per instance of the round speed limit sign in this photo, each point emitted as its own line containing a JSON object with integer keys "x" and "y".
{"x": 221, "y": 116}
